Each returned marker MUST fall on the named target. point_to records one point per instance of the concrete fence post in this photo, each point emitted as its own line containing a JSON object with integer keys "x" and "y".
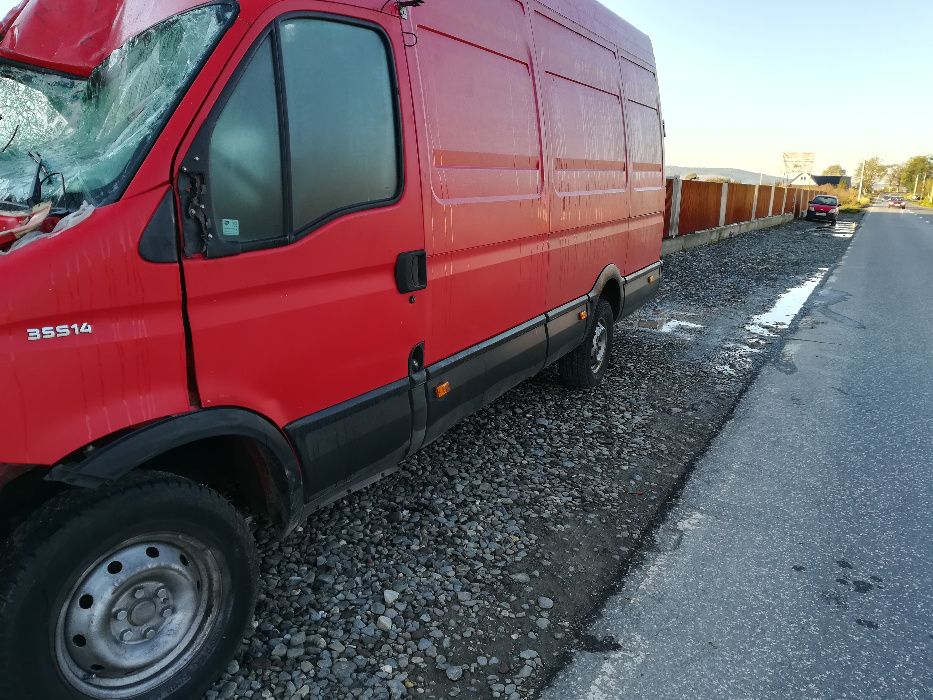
{"x": 676, "y": 191}
{"x": 755, "y": 204}
{"x": 771, "y": 203}
{"x": 784, "y": 203}
{"x": 723, "y": 204}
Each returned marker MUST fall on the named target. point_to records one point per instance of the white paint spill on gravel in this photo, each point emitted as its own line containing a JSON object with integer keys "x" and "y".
{"x": 675, "y": 325}
{"x": 787, "y": 306}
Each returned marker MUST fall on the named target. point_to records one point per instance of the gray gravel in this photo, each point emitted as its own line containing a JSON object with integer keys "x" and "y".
{"x": 473, "y": 571}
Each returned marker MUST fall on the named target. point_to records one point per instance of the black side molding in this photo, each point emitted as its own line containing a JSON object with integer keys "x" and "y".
{"x": 481, "y": 374}
{"x": 565, "y": 328}
{"x": 137, "y": 447}
{"x": 641, "y": 287}
{"x": 334, "y": 444}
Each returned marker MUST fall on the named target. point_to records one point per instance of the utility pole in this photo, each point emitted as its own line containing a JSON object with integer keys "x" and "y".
{"x": 916, "y": 182}
{"x": 861, "y": 181}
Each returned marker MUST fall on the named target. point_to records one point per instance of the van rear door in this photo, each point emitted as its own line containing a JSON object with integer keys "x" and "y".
{"x": 300, "y": 166}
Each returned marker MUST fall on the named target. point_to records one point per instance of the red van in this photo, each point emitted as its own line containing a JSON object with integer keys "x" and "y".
{"x": 253, "y": 255}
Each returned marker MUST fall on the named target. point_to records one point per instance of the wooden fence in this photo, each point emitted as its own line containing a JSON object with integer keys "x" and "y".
{"x": 700, "y": 206}
{"x": 705, "y": 205}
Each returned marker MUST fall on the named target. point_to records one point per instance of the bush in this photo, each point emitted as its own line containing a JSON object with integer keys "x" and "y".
{"x": 848, "y": 198}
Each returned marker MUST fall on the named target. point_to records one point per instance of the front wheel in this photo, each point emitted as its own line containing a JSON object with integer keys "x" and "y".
{"x": 586, "y": 366}
{"x": 140, "y": 590}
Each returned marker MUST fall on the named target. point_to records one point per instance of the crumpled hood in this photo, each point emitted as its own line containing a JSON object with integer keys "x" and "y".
{"x": 75, "y": 37}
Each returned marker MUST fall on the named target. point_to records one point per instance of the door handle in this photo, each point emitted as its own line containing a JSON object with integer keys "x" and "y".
{"x": 411, "y": 271}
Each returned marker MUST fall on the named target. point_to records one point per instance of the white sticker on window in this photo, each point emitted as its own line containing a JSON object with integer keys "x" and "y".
{"x": 231, "y": 227}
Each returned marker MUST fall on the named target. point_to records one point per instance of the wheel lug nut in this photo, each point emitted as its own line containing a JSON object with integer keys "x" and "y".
{"x": 162, "y": 592}
{"x": 150, "y": 633}
{"x": 167, "y": 613}
{"x": 126, "y": 635}
{"x": 139, "y": 593}
{"x": 120, "y": 615}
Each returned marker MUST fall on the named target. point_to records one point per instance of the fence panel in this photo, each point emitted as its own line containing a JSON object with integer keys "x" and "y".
{"x": 805, "y": 197}
{"x": 739, "y": 204}
{"x": 699, "y": 206}
{"x": 764, "y": 201}
{"x": 778, "y": 206}
{"x": 780, "y": 200}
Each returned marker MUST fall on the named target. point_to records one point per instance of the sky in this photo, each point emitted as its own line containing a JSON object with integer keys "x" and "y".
{"x": 742, "y": 82}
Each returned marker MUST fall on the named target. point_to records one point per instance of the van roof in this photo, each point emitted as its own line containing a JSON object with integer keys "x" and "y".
{"x": 600, "y": 20}
{"x": 75, "y": 38}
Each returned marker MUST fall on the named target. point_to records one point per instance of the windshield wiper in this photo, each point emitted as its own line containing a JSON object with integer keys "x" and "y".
{"x": 37, "y": 180}
{"x": 43, "y": 175}
{"x": 12, "y": 138}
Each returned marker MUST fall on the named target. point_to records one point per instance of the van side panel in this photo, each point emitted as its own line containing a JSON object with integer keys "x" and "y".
{"x": 642, "y": 113}
{"x": 482, "y": 158}
{"x": 586, "y": 139}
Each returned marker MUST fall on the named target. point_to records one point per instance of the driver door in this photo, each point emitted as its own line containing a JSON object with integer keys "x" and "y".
{"x": 298, "y": 213}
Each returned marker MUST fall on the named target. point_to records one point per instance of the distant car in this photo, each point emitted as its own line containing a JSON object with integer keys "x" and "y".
{"x": 916, "y": 197}
{"x": 897, "y": 203}
{"x": 823, "y": 207}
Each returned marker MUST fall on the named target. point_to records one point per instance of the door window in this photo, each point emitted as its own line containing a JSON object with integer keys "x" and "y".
{"x": 246, "y": 157}
{"x": 335, "y": 110}
{"x": 341, "y": 118}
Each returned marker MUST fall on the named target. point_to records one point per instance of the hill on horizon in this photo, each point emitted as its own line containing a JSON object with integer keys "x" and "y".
{"x": 735, "y": 174}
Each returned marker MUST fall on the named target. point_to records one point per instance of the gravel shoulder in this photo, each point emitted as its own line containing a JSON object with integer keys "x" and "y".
{"x": 474, "y": 570}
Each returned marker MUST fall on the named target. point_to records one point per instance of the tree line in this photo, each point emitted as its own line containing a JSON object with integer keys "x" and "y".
{"x": 913, "y": 177}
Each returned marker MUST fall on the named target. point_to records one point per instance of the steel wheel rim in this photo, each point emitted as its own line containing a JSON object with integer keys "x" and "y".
{"x": 600, "y": 346}
{"x": 138, "y": 615}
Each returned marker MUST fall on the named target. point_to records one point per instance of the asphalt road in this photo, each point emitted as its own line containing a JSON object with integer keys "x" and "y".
{"x": 798, "y": 562}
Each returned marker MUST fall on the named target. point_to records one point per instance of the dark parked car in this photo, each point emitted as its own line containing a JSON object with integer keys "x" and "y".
{"x": 823, "y": 207}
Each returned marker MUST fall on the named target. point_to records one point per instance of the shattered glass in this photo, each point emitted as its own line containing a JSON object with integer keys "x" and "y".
{"x": 85, "y": 137}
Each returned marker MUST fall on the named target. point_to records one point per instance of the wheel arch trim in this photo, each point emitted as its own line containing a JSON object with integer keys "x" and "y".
{"x": 283, "y": 482}
{"x": 609, "y": 273}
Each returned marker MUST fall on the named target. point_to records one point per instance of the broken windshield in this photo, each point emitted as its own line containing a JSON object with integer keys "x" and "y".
{"x": 67, "y": 141}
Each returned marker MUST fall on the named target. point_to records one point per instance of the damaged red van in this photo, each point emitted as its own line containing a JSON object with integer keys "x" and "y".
{"x": 252, "y": 256}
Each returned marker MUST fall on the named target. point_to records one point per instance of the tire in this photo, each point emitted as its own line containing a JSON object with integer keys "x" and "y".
{"x": 154, "y": 573}
{"x": 586, "y": 366}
